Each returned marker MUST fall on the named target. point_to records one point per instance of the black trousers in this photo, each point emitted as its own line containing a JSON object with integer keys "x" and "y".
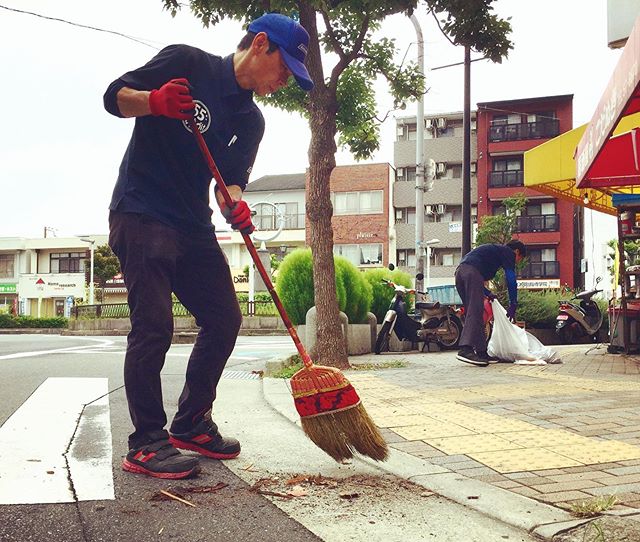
{"x": 470, "y": 286}
{"x": 157, "y": 260}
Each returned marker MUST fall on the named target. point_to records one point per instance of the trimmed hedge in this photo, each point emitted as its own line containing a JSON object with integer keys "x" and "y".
{"x": 295, "y": 284}
{"x": 8, "y": 321}
{"x": 358, "y": 291}
{"x": 381, "y": 293}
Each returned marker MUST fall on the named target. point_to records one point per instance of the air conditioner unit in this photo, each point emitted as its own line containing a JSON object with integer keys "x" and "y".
{"x": 473, "y": 167}
{"x": 429, "y": 123}
{"x": 399, "y": 131}
{"x": 442, "y": 123}
{"x": 441, "y": 167}
{"x": 402, "y": 256}
{"x": 400, "y": 172}
{"x": 428, "y": 208}
{"x": 398, "y": 214}
{"x": 473, "y": 125}
{"x": 440, "y": 208}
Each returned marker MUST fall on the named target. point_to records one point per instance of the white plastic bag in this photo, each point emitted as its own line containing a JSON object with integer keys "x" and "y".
{"x": 508, "y": 341}
{"x": 512, "y": 343}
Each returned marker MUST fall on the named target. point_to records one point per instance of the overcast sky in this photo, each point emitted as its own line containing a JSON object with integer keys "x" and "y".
{"x": 60, "y": 151}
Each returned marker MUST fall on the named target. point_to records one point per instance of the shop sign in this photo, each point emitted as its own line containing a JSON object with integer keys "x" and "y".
{"x": 8, "y": 288}
{"x": 622, "y": 85}
{"x": 538, "y": 284}
{"x": 52, "y": 285}
{"x": 455, "y": 227}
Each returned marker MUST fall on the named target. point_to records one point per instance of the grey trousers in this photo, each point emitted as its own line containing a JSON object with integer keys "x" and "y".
{"x": 470, "y": 286}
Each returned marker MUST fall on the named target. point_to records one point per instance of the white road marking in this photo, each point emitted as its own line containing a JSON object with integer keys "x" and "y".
{"x": 72, "y": 349}
{"x": 34, "y": 439}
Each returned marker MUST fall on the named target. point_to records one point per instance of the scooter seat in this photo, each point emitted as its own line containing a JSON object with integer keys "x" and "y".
{"x": 425, "y": 305}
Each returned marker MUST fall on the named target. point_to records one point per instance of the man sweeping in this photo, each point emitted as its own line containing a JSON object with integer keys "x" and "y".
{"x": 476, "y": 267}
{"x": 161, "y": 230}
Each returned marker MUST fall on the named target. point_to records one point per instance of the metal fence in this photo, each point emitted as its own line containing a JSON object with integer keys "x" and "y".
{"x": 121, "y": 310}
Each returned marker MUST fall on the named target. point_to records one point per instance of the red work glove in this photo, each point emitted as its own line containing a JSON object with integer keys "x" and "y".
{"x": 172, "y": 100}
{"x": 238, "y": 216}
{"x": 511, "y": 312}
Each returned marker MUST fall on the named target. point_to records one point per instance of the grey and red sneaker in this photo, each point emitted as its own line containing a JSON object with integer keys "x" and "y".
{"x": 155, "y": 456}
{"x": 205, "y": 439}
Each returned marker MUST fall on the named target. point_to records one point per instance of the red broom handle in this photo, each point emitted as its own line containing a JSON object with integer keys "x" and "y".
{"x": 222, "y": 188}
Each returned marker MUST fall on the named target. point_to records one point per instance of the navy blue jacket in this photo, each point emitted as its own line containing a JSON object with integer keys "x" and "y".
{"x": 489, "y": 258}
{"x": 163, "y": 173}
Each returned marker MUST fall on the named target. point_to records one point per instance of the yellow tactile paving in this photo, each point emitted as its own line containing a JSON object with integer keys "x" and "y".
{"x": 471, "y": 443}
{"x": 599, "y": 451}
{"x": 524, "y": 459}
{"x": 504, "y": 444}
{"x": 402, "y": 420}
{"x": 431, "y": 430}
{"x": 545, "y": 438}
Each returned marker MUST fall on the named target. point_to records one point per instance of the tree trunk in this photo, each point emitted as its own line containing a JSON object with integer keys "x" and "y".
{"x": 330, "y": 345}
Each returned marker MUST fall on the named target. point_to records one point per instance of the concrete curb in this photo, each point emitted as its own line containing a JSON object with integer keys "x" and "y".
{"x": 510, "y": 508}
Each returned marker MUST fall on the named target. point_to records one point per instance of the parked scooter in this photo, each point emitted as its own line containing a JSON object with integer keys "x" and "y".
{"x": 575, "y": 321}
{"x": 432, "y": 322}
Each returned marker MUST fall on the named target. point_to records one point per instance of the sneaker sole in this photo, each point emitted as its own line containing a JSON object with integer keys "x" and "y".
{"x": 470, "y": 362}
{"x": 137, "y": 469}
{"x": 183, "y": 445}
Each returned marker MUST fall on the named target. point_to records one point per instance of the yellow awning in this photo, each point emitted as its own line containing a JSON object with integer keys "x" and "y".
{"x": 550, "y": 168}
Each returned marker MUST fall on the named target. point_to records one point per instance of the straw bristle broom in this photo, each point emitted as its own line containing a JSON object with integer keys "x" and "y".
{"x": 331, "y": 412}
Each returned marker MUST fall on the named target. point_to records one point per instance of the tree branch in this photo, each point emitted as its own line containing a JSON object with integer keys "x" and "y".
{"x": 345, "y": 60}
{"x": 332, "y": 36}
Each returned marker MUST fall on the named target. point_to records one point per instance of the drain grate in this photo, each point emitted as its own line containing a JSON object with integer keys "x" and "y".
{"x": 240, "y": 375}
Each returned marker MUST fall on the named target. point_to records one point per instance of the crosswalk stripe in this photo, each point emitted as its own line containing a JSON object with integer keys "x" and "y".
{"x": 36, "y": 437}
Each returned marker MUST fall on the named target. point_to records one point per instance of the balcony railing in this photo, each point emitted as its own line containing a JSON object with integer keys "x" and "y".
{"x": 504, "y": 179}
{"x": 525, "y": 224}
{"x": 270, "y": 222}
{"x": 524, "y": 130}
{"x": 540, "y": 270}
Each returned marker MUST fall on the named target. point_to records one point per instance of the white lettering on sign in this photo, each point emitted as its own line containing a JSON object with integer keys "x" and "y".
{"x": 365, "y": 235}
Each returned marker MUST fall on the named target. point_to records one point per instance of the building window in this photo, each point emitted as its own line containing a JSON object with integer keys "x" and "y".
{"x": 7, "y": 266}
{"x": 266, "y": 217}
{"x": 365, "y": 254}
{"x": 68, "y": 262}
{"x": 443, "y": 213}
{"x": 357, "y": 203}
{"x": 450, "y": 258}
{"x": 406, "y": 258}
{"x": 411, "y": 132}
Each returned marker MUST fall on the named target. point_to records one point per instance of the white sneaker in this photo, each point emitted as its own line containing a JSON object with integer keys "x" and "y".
{"x": 530, "y": 362}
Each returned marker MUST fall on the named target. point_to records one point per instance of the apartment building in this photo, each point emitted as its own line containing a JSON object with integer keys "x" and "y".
{"x": 443, "y": 142}
{"x": 551, "y": 228}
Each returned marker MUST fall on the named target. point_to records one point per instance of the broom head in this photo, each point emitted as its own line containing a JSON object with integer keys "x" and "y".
{"x": 333, "y": 416}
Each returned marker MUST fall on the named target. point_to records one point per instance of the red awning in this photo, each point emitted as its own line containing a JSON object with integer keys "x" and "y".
{"x": 602, "y": 160}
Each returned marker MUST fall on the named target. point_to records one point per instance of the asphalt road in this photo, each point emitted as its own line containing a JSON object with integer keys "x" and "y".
{"x": 232, "y": 513}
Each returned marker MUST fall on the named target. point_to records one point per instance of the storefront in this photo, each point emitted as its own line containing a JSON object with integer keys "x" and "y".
{"x": 9, "y": 297}
{"x": 47, "y": 295}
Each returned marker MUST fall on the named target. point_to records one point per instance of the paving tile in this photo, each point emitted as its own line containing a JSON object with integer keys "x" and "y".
{"x": 527, "y": 492}
{"x": 411, "y": 446}
{"x": 523, "y": 459}
{"x": 597, "y": 475}
{"x": 401, "y": 420}
{"x": 598, "y": 451}
{"x": 549, "y": 472}
{"x": 567, "y": 486}
{"x": 471, "y": 443}
{"x": 507, "y": 484}
{"x": 539, "y": 438}
{"x": 614, "y": 489}
{"x": 563, "y": 496}
{"x": 447, "y": 459}
{"x": 432, "y": 430}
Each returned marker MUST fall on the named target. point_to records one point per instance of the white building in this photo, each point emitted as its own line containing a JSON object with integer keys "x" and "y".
{"x": 40, "y": 277}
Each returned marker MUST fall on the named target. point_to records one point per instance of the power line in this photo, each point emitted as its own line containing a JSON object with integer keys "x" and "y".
{"x": 132, "y": 38}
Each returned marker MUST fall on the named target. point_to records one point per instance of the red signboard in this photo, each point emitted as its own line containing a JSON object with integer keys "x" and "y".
{"x": 616, "y": 102}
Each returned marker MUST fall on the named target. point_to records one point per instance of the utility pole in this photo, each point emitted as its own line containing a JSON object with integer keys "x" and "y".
{"x": 466, "y": 155}
{"x": 419, "y": 162}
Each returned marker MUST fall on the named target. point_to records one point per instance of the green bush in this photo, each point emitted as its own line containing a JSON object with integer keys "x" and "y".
{"x": 8, "y": 321}
{"x": 358, "y": 291}
{"x": 295, "y": 284}
{"x": 540, "y": 308}
{"x": 381, "y": 293}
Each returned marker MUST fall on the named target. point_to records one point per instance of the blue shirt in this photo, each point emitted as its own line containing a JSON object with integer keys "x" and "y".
{"x": 489, "y": 258}
{"x": 163, "y": 173}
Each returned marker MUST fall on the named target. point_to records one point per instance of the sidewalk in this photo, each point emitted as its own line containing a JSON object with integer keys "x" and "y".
{"x": 520, "y": 443}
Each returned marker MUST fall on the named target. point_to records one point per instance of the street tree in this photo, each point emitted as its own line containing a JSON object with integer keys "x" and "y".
{"x": 105, "y": 267}
{"x": 342, "y": 104}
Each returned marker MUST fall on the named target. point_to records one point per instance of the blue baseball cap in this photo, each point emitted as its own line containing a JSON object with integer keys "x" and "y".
{"x": 293, "y": 41}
